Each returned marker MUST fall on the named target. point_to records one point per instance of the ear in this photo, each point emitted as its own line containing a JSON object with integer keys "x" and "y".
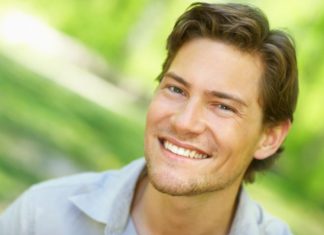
{"x": 272, "y": 138}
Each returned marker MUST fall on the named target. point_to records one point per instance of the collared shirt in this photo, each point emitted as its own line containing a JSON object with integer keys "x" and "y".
{"x": 99, "y": 203}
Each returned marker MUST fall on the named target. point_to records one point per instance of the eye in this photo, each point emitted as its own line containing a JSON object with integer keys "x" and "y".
{"x": 226, "y": 108}
{"x": 176, "y": 90}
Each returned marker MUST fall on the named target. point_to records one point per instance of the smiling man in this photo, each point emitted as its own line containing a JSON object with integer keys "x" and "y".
{"x": 223, "y": 107}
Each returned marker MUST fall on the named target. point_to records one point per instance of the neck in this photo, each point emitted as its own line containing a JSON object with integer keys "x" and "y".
{"x": 154, "y": 212}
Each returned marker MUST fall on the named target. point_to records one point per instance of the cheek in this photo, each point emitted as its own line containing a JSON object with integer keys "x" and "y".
{"x": 222, "y": 128}
{"x": 153, "y": 118}
{"x": 158, "y": 110}
{"x": 152, "y": 114}
{"x": 233, "y": 136}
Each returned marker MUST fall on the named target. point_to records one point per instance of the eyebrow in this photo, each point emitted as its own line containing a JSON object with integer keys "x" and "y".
{"x": 218, "y": 94}
{"x": 223, "y": 95}
{"x": 177, "y": 78}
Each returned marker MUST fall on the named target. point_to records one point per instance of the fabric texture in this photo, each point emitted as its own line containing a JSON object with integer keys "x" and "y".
{"x": 99, "y": 203}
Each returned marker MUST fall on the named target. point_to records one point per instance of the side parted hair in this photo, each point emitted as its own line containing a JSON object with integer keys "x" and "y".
{"x": 246, "y": 28}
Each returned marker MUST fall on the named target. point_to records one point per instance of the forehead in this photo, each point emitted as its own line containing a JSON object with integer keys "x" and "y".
{"x": 214, "y": 65}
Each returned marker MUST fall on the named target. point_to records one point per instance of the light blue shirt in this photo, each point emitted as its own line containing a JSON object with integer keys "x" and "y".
{"x": 99, "y": 203}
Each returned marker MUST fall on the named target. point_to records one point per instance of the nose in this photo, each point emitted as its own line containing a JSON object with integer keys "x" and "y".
{"x": 188, "y": 119}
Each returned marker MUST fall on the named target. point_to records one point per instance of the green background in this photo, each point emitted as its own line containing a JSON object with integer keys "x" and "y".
{"x": 50, "y": 127}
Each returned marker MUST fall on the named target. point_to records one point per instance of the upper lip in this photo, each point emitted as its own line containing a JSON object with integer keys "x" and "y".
{"x": 184, "y": 145}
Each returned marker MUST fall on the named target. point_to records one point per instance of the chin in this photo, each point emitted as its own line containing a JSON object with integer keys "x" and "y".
{"x": 179, "y": 185}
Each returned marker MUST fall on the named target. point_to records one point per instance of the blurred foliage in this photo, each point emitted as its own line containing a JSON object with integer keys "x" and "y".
{"x": 40, "y": 119}
{"x": 45, "y": 127}
{"x": 102, "y": 25}
{"x": 304, "y": 160}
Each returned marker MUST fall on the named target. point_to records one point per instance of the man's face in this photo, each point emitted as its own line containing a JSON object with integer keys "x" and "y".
{"x": 204, "y": 123}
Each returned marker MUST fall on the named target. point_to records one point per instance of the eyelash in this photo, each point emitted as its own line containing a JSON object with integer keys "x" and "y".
{"x": 226, "y": 108}
{"x": 176, "y": 90}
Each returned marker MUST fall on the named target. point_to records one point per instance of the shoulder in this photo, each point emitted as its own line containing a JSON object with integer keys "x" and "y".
{"x": 83, "y": 182}
{"x": 251, "y": 217}
{"x": 46, "y": 201}
{"x": 53, "y": 194}
{"x": 270, "y": 224}
{"x": 71, "y": 183}
{"x": 58, "y": 190}
{"x": 51, "y": 200}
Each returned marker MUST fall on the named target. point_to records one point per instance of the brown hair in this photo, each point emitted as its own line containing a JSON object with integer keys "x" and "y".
{"x": 246, "y": 28}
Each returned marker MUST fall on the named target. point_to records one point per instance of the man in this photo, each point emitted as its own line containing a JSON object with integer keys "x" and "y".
{"x": 223, "y": 107}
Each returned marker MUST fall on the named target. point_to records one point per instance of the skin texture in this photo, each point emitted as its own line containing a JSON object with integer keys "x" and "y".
{"x": 208, "y": 101}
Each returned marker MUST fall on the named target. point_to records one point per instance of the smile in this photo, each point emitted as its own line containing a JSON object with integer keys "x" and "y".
{"x": 183, "y": 152}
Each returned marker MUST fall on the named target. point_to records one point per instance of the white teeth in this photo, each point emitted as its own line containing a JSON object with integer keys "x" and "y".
{"x": 183, "y": 152}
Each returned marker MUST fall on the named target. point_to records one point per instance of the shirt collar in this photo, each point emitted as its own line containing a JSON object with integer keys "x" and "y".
{"x": 247, "y": 216}
{"x": 110, "y": 200}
